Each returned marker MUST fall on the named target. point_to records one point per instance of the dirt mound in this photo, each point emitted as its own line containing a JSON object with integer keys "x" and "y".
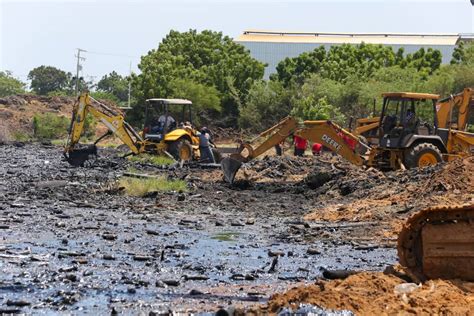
{"x": 17, "y": 111}
{"x": 374, "y": 293}
{"x": 276, "y": 168}
{"x": 358, "y": 195}
{"x": 456, "y": 177}
{"x": 372, "y": 195}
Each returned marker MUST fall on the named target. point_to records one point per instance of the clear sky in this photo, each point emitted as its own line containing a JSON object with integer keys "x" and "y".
{"x": 34, "y": 33}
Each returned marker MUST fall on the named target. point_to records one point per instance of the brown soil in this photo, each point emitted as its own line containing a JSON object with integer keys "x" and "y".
{"x": 17, "y": 112}
{"x": 372, "y": 293}
{"x": 393, "y": 202}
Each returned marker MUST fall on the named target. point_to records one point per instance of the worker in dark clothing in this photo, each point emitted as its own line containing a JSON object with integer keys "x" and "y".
{"x": 205, "y": 146}
{"x": 279, "y": 149}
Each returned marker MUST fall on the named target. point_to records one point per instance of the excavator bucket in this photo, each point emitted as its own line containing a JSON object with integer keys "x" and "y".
{"x": 230, "y": 166}
{"x": 77, "y": 157}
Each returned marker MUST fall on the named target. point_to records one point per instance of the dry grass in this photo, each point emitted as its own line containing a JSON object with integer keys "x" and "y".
{"x": 142, "y": 186}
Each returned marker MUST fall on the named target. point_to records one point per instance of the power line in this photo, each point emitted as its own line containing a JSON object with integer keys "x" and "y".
{"x": 113, "y": 54}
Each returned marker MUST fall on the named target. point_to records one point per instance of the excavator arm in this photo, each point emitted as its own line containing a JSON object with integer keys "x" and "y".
{"x": 458, "y": 103}
{"x": 335, "y": 138}
{"x": 327, "y": 133}
{"x": 111, "y": 118}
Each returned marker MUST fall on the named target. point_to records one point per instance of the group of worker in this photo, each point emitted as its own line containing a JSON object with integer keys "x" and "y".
{"x": 301, "y": 145}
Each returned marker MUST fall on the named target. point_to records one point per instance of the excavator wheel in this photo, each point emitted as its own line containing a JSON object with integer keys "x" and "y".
{"x": 439, "y": 243}
{"x": 181, "y": 149}
{"x": 422, "y": 155}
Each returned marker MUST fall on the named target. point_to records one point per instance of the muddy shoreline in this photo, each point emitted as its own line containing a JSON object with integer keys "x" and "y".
{"x": 71, "y": 243}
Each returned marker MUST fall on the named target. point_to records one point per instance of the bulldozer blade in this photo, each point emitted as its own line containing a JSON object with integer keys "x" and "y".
{"x": 78, "y": 157}
{"x": 230, "y": 167}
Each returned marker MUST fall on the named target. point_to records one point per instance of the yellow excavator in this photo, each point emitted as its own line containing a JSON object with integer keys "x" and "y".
{"x": 409, "y": 136}
{"x": 162, "y": 133}
{"x": 452, "y": 112}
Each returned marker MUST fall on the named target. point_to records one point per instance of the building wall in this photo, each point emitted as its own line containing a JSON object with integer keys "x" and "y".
{"x": 272, "y": 53}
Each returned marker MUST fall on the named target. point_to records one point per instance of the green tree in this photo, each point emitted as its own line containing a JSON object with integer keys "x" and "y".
{"x": 309, "y": 108}
{"x": 114, "y": 84}
{"x": 426, "y": 62}
{"x": 391, "y": 79}
{"x": 463, "y": 54}
{"x": 267, "y": 102}
{"x": 442, "y": 81}
{"x": 207, "y": 58}
{"x": 205, "y": 98}
{"x": 10, "y": 85}
{"x": 345, "y": 61}
{"x": 295, "y": 70}
{"x": 45, "y": 79}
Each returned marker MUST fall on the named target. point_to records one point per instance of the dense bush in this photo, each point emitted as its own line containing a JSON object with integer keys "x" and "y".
{"x": 50, "y": 126}
{"x": 267, "y": 103}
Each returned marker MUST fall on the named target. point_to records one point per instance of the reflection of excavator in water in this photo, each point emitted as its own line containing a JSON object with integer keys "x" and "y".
{"x": 178, "y": 141}
{"x": 435, "y": 242}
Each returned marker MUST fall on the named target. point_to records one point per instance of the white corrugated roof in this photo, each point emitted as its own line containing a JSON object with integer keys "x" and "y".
{"x": 170, "y": 101}
{"x": 349, "y": 38}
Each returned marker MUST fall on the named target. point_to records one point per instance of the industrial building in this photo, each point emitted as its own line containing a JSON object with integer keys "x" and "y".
{"x": 271, "y": 47}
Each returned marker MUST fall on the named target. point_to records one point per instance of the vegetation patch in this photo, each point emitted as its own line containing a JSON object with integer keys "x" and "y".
{"x": 50, "y": 126}
{"x": 142, "y": 186}
{"x": 21, "y": 136}
{"x": 152, "y": 159}
{"x": 226, "y": 236}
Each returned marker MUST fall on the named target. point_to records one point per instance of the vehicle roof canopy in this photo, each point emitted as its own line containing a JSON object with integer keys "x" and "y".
{"x": 411, "y": 95}
{"x": 170, "y": 101}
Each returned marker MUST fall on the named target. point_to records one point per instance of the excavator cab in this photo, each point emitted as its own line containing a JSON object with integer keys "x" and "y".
{"x": 168, "y": 122}
{"x": 164, "y": 115}
{"x": 405, "y": 115}
{"x": 408, "y": 130}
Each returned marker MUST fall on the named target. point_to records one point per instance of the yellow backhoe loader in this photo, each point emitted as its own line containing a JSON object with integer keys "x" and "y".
{"x": 162, "y": 133}
{"x": 453, "y": 112}
{"x": 409, "y": 136}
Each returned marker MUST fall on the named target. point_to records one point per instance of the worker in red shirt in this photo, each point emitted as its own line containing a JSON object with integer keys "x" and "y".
{"x": 300, "y": 145}
{"x": 316, "y": 149}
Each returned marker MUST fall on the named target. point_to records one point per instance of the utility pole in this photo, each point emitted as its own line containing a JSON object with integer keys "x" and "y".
{"x": 79, "y": 67}
{"x": 129, "y": 83}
